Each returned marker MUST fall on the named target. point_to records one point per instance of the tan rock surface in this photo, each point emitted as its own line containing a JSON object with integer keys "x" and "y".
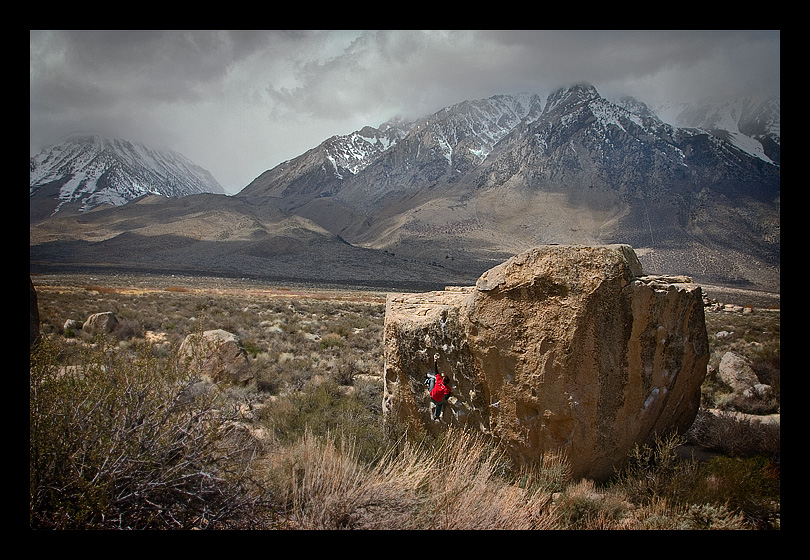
{"x": 218, "y": 355}
{"x": 100, "y": 323}
{"x": 564, "y": 348}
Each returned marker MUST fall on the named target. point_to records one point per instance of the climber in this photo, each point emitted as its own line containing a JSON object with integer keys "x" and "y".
{"x": 438, "y": 387}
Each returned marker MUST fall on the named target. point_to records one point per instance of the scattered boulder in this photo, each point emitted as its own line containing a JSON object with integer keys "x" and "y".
{"x": 218, "y": 356}
{"x": 100, "y": 323}
{"x": 735, "y": 372}
{"x": 560, "y": 348}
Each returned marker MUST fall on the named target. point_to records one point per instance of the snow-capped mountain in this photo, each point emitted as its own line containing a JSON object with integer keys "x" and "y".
{"x": 499, "y": 175}
{"x": 444, "y": 198}
{"x": 453, "y": 140}
{"x": 93, "y": 170}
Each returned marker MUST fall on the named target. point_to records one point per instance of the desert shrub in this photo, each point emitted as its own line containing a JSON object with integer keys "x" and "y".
{"x": 746, "y": 485}
{"x": 101, "y": 289}
{"x": 117, "y": 442}
{"x": 324, "y": 408}
{"x": 177, "y": 289}
{"x": 734, "y": 436}
{"x": 266, "y": 375}
{"x": 749, "y": 404}
{"x": 344, "y": 367}
{"x": 550, "y": 474}
{"x": 293, "y": 372}
{"x": 583, "y": 506}
{"x": 320, "y": 484}
{"x": 127, "y": 329}
{"x": 663, "y": 516}
{"x": 655, "y": 471}
{"x": 721, "y": 493}
{"x": 710, "y": 516}
{"x": 468, "y": 484}
{"x": 251, "y": 347}
{"x": 332, "y": 341}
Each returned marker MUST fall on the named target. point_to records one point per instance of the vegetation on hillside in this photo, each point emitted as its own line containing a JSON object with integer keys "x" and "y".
{"x": 123, "y": 436}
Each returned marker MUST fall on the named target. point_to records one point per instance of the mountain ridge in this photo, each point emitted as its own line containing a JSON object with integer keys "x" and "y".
{"x": 460, "y": 190}
{"x": 584, "y": 169}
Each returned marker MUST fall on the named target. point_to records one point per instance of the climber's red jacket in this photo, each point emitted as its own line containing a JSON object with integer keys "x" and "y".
{"x": 440, "y": 390}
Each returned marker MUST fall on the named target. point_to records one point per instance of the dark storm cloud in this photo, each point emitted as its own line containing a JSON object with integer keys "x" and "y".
{"x": 239, "y": 102}
{"x": 424, "y": 70}
{"x": 91, "y": 67}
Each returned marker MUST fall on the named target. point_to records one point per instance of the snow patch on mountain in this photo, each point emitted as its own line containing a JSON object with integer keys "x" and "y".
{"x": 479, "y": 124}
{"x": 609, "y": 114}
{"x": 742, "y": 122}
{"x": 354, "y": 152}
{"x": 748, "y": 145}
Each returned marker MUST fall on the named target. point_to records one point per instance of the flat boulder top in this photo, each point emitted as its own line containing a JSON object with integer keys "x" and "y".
{"x": 556, "y": 263}
{"x": 569, "y": 263}
{"x": 427, "y": 304}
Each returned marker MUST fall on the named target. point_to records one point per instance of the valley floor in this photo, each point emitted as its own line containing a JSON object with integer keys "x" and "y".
{"x": 152, "y": 282}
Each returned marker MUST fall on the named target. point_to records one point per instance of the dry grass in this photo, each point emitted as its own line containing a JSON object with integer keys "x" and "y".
{"x": 459, "y": 484}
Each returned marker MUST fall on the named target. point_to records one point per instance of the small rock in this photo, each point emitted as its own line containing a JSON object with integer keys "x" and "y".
{"x": 758, "y": 390}
{"x": 72, "y": 325}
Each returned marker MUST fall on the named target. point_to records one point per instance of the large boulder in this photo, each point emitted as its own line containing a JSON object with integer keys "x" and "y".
{"x": 559, "y": 349}
{"x": 217, "y": 356}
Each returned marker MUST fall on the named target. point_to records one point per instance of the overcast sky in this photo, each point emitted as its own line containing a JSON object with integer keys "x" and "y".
{"x": 240, "y": 102}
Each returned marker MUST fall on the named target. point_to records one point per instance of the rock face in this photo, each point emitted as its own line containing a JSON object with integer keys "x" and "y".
{"x": 560, "y": 348}
{"x": 219, "y": 356}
